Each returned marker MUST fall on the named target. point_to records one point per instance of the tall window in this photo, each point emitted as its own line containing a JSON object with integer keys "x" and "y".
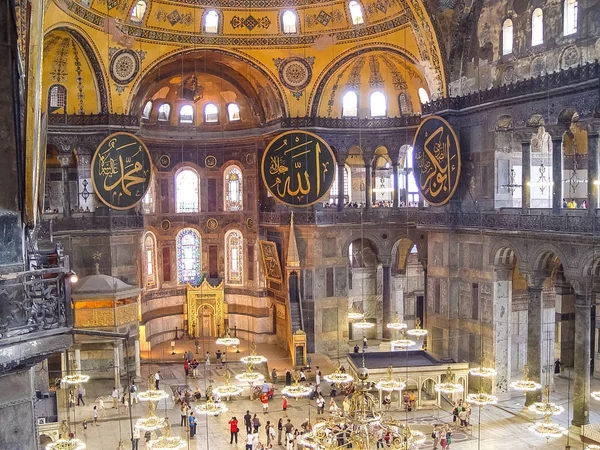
{"x": 412, "y": 191}
{"x": 138, "y": 11}
{"x": 150, "y": 258}
{"x": 211, "y": 22}
{"x": 537, "y": 27}
{"x": 164, "y": 111}
{"x": 233, "y": 189}
{"x": 57, "y": 99}
{"x": 570, "y": 17}
{"x": 186, "y": 114}
{"x": 186, "y": 191}
{"x": 334, "y": 191}
{"x": 356, "y": 12}
{"x": 234, "y": 247}
{"x": 507, "y": 37}
{"x": 350, "y": 104}
{"x": 189, "y": 256}
{"x": 233, "y": 111}
{"x": 211, "y": 113}
{"x": 423, "y": 96}
{"x": 289, "y": 22}
{"x": 147, "y": 110}
{"x": 378, "y": 104}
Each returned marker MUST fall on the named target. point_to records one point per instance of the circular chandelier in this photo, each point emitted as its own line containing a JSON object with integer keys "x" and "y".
{"x": 482, "y": 399}
{"x": 592, "y": 447}
{"x": 253, "y": 358}
{"x": 546, "y": 407}
{"x": 152, "y": 422}
{"x": 339, "y": 377}
{"x": 227, "y": 390}
{"x": 403, "y": 343}
{"x": 363, "y": 325}
{"x": 483, "y": 372}
{"x": 390, "y": 384}
{"x": 525, "y": 385}
{"x": 248, "y": 376}
{"x": 449, "y": 387}
{"x": 548, "y": 429}
{"x": 417, "y": 330}
{"x": 355, "y": 315}
{"x": 227, "y": 341}
{"x": 296, "y": 391}
{"x": 396, "y": 324}
{"x": 77, "y": 378}
{"x": 210, "y": 408}
{"x": 66, "y": 444}
{"x": 167, "y": 442}
{"x": 152, "y": 395}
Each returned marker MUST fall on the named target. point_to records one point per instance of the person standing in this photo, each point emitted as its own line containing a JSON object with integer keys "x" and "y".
{"x": 270, "y": 434}
{"x": 249, "y": 440}
{"x": 233, "y": 429}
{"x": 279, "y": 430}
{"x": 436, "y": 437}
{"x": 135, "y": 440}
{"x": 318, "y": 376}
{"x": 207, "y": 360}
{"x": 186, "y": 368}
{"x": 248, "y": 422}
{"x": 274, "y": 376}
{"x": 115, "y": 397}
{"x": 285, "y": 405}
{"x": 192, "y": 424}
{"x": 255, "y": 423}
{"x": 80, "y": 394}
{"x": 133, "y": 390}
{"x": 219, "y": 356}
{"x": 364, "y": 342}
{"x": 264, "y": 398}
{"x": 289, "y": 440}
{"x": 448, "y": 438}
{"x": 95, "y": 415}
{"x": 288, "y": 377}
{"x": 184, "y": 413}
{"x": 443, "y": 441}
{"x": 157, "y": 379}
{"x": 320, "y": 405}
{"x": 557, "y": 365}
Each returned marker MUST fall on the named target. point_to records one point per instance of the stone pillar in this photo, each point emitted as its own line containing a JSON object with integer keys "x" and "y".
{"x": 581, "y": 383}
{"x": 17, "y": 411}
{"x": 556, "y": 174}
{"x": 387, "y": 299}
{"x": 365, "y": 294}
{"x": 368, "y": 186}
{"x": 138, "y": 370}
{"x": 116, "y": 366}
{"x": 341, "y": 175}
{"x": 502, "y": 304}
{"x": 65, "y": 161}
{"x": 534, "y": 336}
{"x": 592, "y": 173}
{"x": 77, "y": 366}
{"x": 548, "y": 334}
{"x": 525, "y": 176}
{"x": 396, "y": 185}
{"x": 566, "y": 326}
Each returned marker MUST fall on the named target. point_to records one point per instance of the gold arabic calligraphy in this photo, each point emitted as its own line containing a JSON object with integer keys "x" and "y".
{"x": 436, "y": 164}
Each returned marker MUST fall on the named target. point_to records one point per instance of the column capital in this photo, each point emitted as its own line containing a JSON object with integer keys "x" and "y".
{"x": 385, "y": 260}
{"x": 503, "y": 273}
{"x": 535, "y": 280}
{"x": 64, "y": 160}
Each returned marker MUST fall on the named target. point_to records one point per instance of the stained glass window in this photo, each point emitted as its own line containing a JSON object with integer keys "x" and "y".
{"x": 186, "y": 194}
{"x": 234, "y": 244}
{"x": 189, "y": 257}
{"x": 356, "y": 12}
{"x": 150, "y": 253}
{"x": 233, "y": 189}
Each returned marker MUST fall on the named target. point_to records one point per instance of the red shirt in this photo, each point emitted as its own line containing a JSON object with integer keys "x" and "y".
{"x": 186, "y": 365}
{"x": 233, "y": 425}
{"x": 264, "y": 398}
{"x": 284, "y": 403}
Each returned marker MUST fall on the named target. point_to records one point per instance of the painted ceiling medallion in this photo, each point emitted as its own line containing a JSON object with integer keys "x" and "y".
{"x": 295, "y": 73}
{"x": 164, "y": 161}
{"x": 212, "y": 224}
{"x": 210, "y": 161}
{"x": 124, "y": 66}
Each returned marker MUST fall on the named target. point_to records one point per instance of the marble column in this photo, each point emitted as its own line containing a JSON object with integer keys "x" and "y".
{"x": 581, "y": 382}
{"x": 534, "y": 339}
{"x": 592, "y": 173}
{"x": 556, "y": 174}
{"x": 566, "y": 326}
{"x": 387, "y": 299}
{"x": 502, "y": 305}
{"x": 525, "y": 176}
{"x": 65, "y": 161}
{"x": 341, "y": 175}
{"x": 396, "y": 185}
{"x": 116, "y": 359}
{"x": 138, "y": 370}
{"x": 63, "y": 368}
{"x": 368, "y": 186}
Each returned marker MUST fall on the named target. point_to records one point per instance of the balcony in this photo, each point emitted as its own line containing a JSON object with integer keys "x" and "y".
{"x": 538, "y": 221}
{"x": 89, "y": 221}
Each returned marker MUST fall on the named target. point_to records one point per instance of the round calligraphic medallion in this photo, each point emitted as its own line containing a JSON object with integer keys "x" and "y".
{"x": 436, "y": 160}
{"x": 121, "y": 171}
{"x": 212, "y": 224}
{"x": 295, "y": 73}
{"x": 210, "y": 161}
{"x": 124, "y": 66}
{"x": 298, "y": 168}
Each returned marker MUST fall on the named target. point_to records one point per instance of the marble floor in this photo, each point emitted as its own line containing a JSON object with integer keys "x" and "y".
{"x": 503, "y": 426}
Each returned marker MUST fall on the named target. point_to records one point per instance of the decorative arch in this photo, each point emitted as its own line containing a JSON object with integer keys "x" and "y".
{"x": 505, "y": 253}
{"x": 545, "y": 258}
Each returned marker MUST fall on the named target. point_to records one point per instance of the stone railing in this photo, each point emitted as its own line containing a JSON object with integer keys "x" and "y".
{"x": 82, "y": 120}
{"x": 351, "y": 122}
{"x": 88, "y": 221}
{"x": 33, "y": 301}
{"x": 492, "y": 220}
{"x": 555, "y": 80}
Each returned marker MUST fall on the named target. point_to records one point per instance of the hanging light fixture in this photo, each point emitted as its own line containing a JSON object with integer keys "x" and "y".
{"x": 77, "y": 377}
{"x": 66, "y": 444}
{"x": 227, "y": 390}
{"x": 338, "y": 376}
{"x": 482, "y": 399}
{"x": 249, "y": 376}
{"x": 546, "y": 407}
{"x": 363, "y": 325}
{"x": 403, "y": 343}
{"x": 417, "y": 330}
{"x": 548, "y": 429}
{"x": 355, "y": 315}
{"x": 167, "y": 442}
{"x": 253, "y": 358}
{"x": 152, "y": 422}
{"x": 483, "y": 372}
{"x": 296, "y": 390}
{"x": 390, "y": 384}
{"x": 524, "y": 384}
{"x": 449, "y": 387}
{"x": 227, "y": 341}
{"x": 152, "y": 394}
{"x": 211, "y": 408}
{"x": 596, "y": 395}
{"x": 396, "y": 324}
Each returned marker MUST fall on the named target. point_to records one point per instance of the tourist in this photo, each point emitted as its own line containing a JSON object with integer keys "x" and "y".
{"x": 289, "y": 440}
{"x": 356, "y": 349}
{"x": 233, "y": 430}
{"x": 101, "y": 407}
{"x": 320, "y": 405}
{"x": 318, "y": 376}
{"x": 192, "y": 425}
{"x": 302, "y": 376}
{"x": 157, "y": 379}
{"x": 413, "y": 400}
{"x": 380, "y": 434}
{"x": 346, "y": 406}
{"x": 133, "y": 391}
{"x": 435, "y": 435}
{"x": 462, "y": 415}
{"x": 443, "y": 441}
{"x": 256, "y": 445}
{"x": 264, "y": 388}
{"x": 288, "y": 377}
{"x": 135, "y": 439}
{"x": 80, "y": 394}
{"x": 184, "y": 413}
{"x": 115, "y": 397}
{"x": 264, "y": 399}
{"x": 186, "y": 367}
{"x": 219, "y": 356}
{"x": 255, "y": 423}
{"x": 274, "y": 376}
{"x": 95, "y": 415}
{"x": 248, "y": 422}
{"x": 557, "y": 365}
{"x": 195, "y": 368}
{"x": 364, "y": 342}
{"x": 448, "y": 438}
{"x": 288, "y": 426}
{"x": 71, "y": 398}
{"x": 387, "y": 401}
{"x": 333, "y": 407}
{"x": 270, "y": 434}
{"x": 279, "y": 430}
{"x": 207, "y": 360}
{"x": 285, "y": 405}
{"x": 249, "y": 439}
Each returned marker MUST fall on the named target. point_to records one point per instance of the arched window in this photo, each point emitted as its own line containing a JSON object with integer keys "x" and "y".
{"x": 147, "y": 110}
{"x": 378, "y": 104}
{"x": 537, "y": 27}
{"x": 289, "y": 22}
{"x": 507, "y": 37}
{"x": 355, "y": 12}
{"x": 57, "y": 99}
{"x": 233, "y": 111}
{"x": 350, "y": 104}
{"x": 138, "y": 11}
{"x": 234, "y": 257}
{"x": 232, "y": 179}
{"x": 164, "y": 111}
{"x": 211, "y": 22}
{"x": 189, "y": 257}
{"x": 150, "y": 258}
{"x": 186, "y": 114}
{"x": 334, "y": 192}
{"x": 423, "y": 96}
{"x": 570, "y": 17}
{"x": 186, "y": 191}
{"x": 408, "y": 182}
{"x": 211, "y": 113}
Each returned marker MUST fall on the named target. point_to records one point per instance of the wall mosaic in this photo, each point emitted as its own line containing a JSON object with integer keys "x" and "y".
{"x": 174, "y": 17}
{"x": 324, "y": 18}
{"x": 78, "y": 79}
{"x": 124, "y": 66}
{"x": 250, "y": 22}
{"x": 295, "y": 73}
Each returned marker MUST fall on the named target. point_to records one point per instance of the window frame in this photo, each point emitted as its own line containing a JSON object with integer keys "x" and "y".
{"x": 503, "y": 49}
{"x": 228, "y": 257}
{"x": 226, "y": 191}
{"x": 371, "y": 104}
{"x": 190, "y": 121}
{"x": 362, "y": 13}
{"x": 60, "y": 89}
{"x": 168, "y": 106}
{"x": 350, "y": 91}
{"x": 283, "y": 25}
{"x": 539, "y": 20}
{"x": 151, "y": 279}
{"x": 137, "y": 19}
{"x": 422, "y": 92}
{"x": 205, "y": 114}
{"x": 205, "y": 16}
{"x": 179, "y": 255}
{"x": 238, "y": 112}
{"x": 178, "y": 203}
{"x": 566, "y": 3}
{"x": 144, "y": 116}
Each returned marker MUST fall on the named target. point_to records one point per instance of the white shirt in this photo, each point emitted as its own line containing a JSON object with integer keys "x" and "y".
{"x": 156, "y": 376}
{"x": 115, "y": 394}
{"x": 249, "y": 439}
